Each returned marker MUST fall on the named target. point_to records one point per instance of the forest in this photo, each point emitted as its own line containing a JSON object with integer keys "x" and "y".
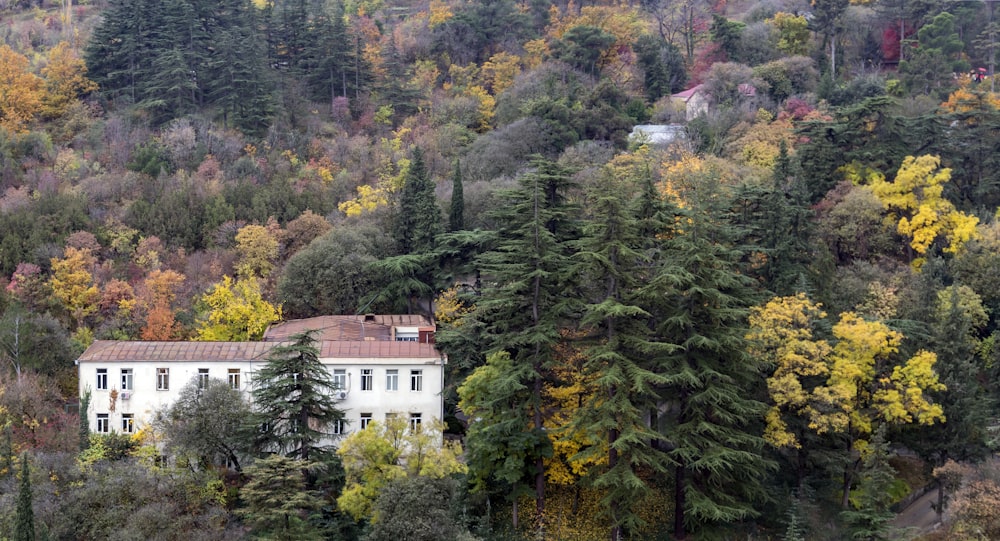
{"x": 782, "y": 325}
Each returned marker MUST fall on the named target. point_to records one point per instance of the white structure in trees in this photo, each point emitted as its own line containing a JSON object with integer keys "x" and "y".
{"x": 384, "y": 366}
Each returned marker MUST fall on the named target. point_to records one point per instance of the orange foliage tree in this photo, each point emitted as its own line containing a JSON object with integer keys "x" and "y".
{"x": 65, "y": 80}
{"x": 20, "y": 91}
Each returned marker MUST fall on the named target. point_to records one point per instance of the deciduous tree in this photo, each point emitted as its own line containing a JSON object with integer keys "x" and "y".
{"x": 21, "y": 91}
{"x": 207, "y": 424}
{"x": 236, "y": 311}
{"x": 65, "y": 80}
{"x": 73, "y": 285}
{"x": 916, "y": 195}
{"x": 384, "y": 452}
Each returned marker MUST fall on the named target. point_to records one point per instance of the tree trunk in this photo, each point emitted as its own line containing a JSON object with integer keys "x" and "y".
{"x": 679, "y": 481}
{"x": 616, "y": 529}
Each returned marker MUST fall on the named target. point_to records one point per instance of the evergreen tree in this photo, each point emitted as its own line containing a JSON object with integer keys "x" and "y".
{"x": 727, "y": 35}
{"x": 869, "y": 519}
{"x": 24, "y": 519}
{"x": 662, "y": 66}
{"x": 278, "y": 503}
{"x": 456, "y": 214}
{"x": 419, "y": 221}
{"x": 714, "y": 422}
{"x": 615, "y": 261}
{"x": 410, "y": 275}
{"x": 293, "y": 395}
{"x": 531, "y": 291}
{"x": 84, "y": 417}
{"x": 332, "y": 64}
{"x": 775, "y": 227}
{"x": 238, "y": 82}
{"x": 394, "y": 89}
{"x": 502, "y": 446}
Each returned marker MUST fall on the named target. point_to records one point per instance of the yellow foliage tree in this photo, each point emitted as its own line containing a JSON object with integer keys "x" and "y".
{"x": 916, "y": 198}
{"x": 440, "y": 13}
{"x": 564, "y": 399}
{"x": 381, "y": 452}
{"x": 258, "y": 250}
{"x": 793, "y": 33}
{"x": 65, "y": 80}
{"x": 499, "y": 71}
{"x": 864, "y": 385}
{"x": 391, "y": 170}
{"x": 964, "y": 100}
{"x": 236, "y": 312}
{"x": 782, "y": 334}
{"x": 73, "y": 285}
{"x": 20, "y": 91}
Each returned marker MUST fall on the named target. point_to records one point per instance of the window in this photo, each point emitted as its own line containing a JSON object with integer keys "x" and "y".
{"x": 103, "y": 424}
{"x": 128, "y": 426}
{"x": 414, "y": 422}
{"x": 102, "y": 379}
{"x": 416, "y": 380}
{"x": 392, "y": 380}
{"x": 366, "y": 379}
{"x": 340, "y": 379}
{"x": 202, "y": 378}
{"x": 162, "y": 379}
{"x": 234, "y": 378}
{"x": 126, "y": 379}
{"x": 365, "y": 419}
{"x": 407, "y": 334}
{"x": 339, "y": 427}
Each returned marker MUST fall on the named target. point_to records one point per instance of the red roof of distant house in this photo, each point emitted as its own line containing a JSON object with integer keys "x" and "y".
{"x": 687, "y": 94}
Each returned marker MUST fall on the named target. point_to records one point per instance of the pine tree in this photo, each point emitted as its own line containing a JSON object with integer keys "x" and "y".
{"x": 278, "y": 502}
{"x": 240, "y": 85}
{"x": 615, "y": 260}
{"x": 293, "y": 395}
{"x": 331, "y": 63}
{"x": 714, "y": 423}
{"x": 24, "y": 519}
{"x": 869, "y": 519}
{"x": 456, "y": 214}
{"x": 531, "y": 294}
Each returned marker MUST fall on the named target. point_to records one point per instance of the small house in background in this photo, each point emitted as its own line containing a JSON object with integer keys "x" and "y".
{"x": 657, "y": 134}
{"x": 693, "y": 101}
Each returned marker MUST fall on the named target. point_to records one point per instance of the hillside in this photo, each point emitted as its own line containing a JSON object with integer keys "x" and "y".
{"x": 734, "y": 335}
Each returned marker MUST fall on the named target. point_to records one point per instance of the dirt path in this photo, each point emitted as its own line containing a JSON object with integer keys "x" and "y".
{"x": 918, "y": 517}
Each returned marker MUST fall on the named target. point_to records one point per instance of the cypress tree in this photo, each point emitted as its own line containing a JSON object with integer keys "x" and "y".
{"x": 294, "y": 400}
{"x": 456, "y": 215}
{"x": 24, "y": 519}
{"x": 419, "y": 215}
{"x": 85, "y": 421}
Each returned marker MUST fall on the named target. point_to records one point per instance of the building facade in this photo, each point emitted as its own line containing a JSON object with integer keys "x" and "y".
{"x": 392, "y": 369}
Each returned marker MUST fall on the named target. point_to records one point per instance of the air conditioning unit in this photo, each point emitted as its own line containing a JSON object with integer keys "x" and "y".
{"x": 125, "y": 395}
{"x": 341, "y": 395}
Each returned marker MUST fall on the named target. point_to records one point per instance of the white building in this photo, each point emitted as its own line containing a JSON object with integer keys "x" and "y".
{"x": 385, "y": 366}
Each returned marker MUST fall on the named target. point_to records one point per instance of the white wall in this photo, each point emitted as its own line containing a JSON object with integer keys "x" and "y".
{"x": 145, "y": 399}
